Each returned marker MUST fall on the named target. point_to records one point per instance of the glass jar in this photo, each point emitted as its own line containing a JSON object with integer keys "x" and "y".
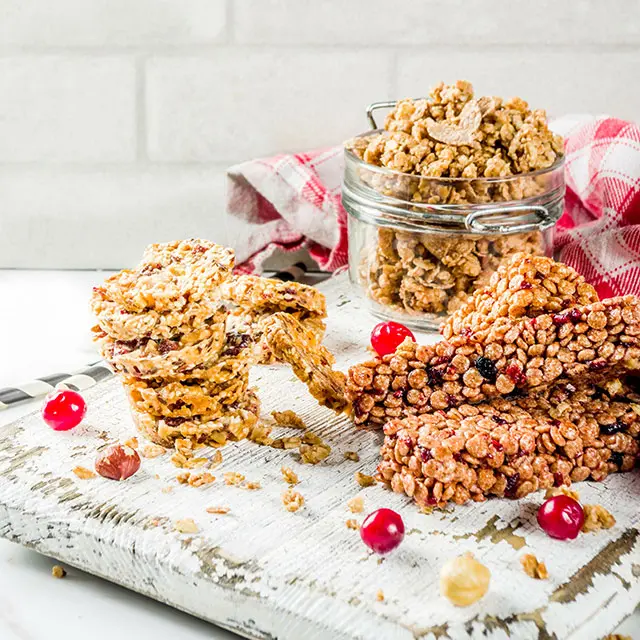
{"x": 419, "y": 246}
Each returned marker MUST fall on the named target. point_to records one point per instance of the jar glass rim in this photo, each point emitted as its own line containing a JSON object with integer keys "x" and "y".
{"x": 356, "y": 161}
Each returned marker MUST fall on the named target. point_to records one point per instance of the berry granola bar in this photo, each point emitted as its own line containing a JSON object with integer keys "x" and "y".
{"x": 150, "y": 357}
{"x": 292, "y": 343}
{"x": 169, "y": 276}
{"x": 512, "y": 447}
{"x": 258, "y": 298}
{"x": 234, "y": 423}
{"x": 525, "y": 286}
{"x": 584, "y": 343}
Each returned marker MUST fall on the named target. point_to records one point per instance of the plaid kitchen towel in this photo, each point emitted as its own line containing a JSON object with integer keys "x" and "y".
{"x": 293, "y": 201}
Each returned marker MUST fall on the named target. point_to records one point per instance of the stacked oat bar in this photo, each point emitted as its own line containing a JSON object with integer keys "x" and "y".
{"x": 163, "y": 327}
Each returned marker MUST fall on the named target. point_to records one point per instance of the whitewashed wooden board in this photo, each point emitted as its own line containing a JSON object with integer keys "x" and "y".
{"x": 266, "y": 573}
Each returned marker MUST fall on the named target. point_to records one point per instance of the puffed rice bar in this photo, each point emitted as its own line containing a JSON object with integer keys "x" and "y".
{"x": 584, "y": 343}
{"x": 512, "y": 447}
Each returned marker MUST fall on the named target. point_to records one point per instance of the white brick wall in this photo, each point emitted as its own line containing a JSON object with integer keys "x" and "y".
{"x": 118, "y": 117}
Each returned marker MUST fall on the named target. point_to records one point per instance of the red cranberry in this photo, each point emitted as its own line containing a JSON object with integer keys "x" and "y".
{"x": 63, "y": 409}
{"x": 561, "y": 517}
{"x": 526, "y": 285}
{"x": 387, "y": 336}
{"x": 516, "y": 374}
{"x": 382, "y": 531}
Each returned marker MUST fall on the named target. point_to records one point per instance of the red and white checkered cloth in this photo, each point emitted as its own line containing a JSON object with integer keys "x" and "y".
{"x": 291, "y": 202}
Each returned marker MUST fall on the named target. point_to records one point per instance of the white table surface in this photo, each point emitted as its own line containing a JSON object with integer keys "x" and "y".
{"x": 44, "y": 322}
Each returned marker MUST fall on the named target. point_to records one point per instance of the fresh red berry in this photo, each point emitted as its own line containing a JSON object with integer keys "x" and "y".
{"x": 387, "y": 336}
{"x": 561, "y": 517}
{"x": 382, "y": 531}
{"x": 63, "y": 409}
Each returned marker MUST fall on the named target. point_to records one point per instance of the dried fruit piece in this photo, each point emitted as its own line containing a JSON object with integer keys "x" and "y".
{"x": 382, "y": 530}
{"x": 64, "y": 409}
{"x": 117, "y": 462}
{"x": 533, "y": 567}
{"x": 351, "y": 455}
{"x": 464, "y": 580}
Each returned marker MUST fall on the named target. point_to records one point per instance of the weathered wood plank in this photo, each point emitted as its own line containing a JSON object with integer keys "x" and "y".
{"x": 266, "y": 573}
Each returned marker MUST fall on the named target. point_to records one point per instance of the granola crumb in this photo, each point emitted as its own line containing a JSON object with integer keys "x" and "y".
{"x": 617, "y": 636}
{"x": 58, "y": 572}
{"x": 351, "y": 455}
{"x": 201, "y": 479}
{"x": 217, "y": 510}
{"x": 292, "y": 500}
{"x": 83, "y": 473}
{"x": 380, "y": 595}
{"x": 533, "y": 567}
{"x": 289, "y": 475}
{"x": 261, "y": 434}
{"x": 183, "y": 478}
{"x": 233, "y": 478}
{"x": 251, "y": 485}
{"x": 313, "y": 449}
{"x": 167, "y": 489}
{"x": 356, "y": 504}
{"x": 364, "y": 480}
{"x": 352, "y": 523}
{"x": 291, "y": 442}
{"x": 563, "y": 490}
{"x": 131, "y": 442}
{"x": 215, "y": 460}
{"x": 596, "y": 517}
{"x": 288, "y": 418}
{"x": 156, "y": 476}
{"x": 186, "y": 525}
{"x": 152, "y": 451}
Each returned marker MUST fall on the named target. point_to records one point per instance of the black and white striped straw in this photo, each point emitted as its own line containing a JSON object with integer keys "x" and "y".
{"x": 96, "y": 371}
{"x": 77, "y": 381}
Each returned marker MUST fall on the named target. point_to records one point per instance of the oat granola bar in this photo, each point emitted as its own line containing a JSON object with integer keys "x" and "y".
{"x": 233, "y": 424}
{"x": 169, "y": 276}
{"x": 121, "y": 324}
{"x": 150, "y": 357}
{"x": 290, "y": 342}
{"x": 255, "y": 294}
{"x": 525, "y": 286}
{"x": 512, "y": 447}
{"x": 257, "y": 298}
{"x": 185, "y": 399}
{"x": 584, "y": 343}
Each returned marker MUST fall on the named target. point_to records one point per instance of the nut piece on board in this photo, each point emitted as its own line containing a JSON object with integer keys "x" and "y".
{"x": 117, "y": 462}
{"x": 464, "y": 580}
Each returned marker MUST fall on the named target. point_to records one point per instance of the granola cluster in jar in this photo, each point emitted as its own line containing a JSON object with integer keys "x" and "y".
{"x": 442, "y": 158}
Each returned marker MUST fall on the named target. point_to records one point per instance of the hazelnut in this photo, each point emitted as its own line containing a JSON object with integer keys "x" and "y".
{"x": 117, "y": 462}
{"x": 464, "y": 580}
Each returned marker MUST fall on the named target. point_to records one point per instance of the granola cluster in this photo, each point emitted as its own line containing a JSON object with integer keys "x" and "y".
{"x": 532, "y": 388}
{"x": 450, "y": 149}
{"x": 162, "y": 326}
{"x": 256, "y": 298}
